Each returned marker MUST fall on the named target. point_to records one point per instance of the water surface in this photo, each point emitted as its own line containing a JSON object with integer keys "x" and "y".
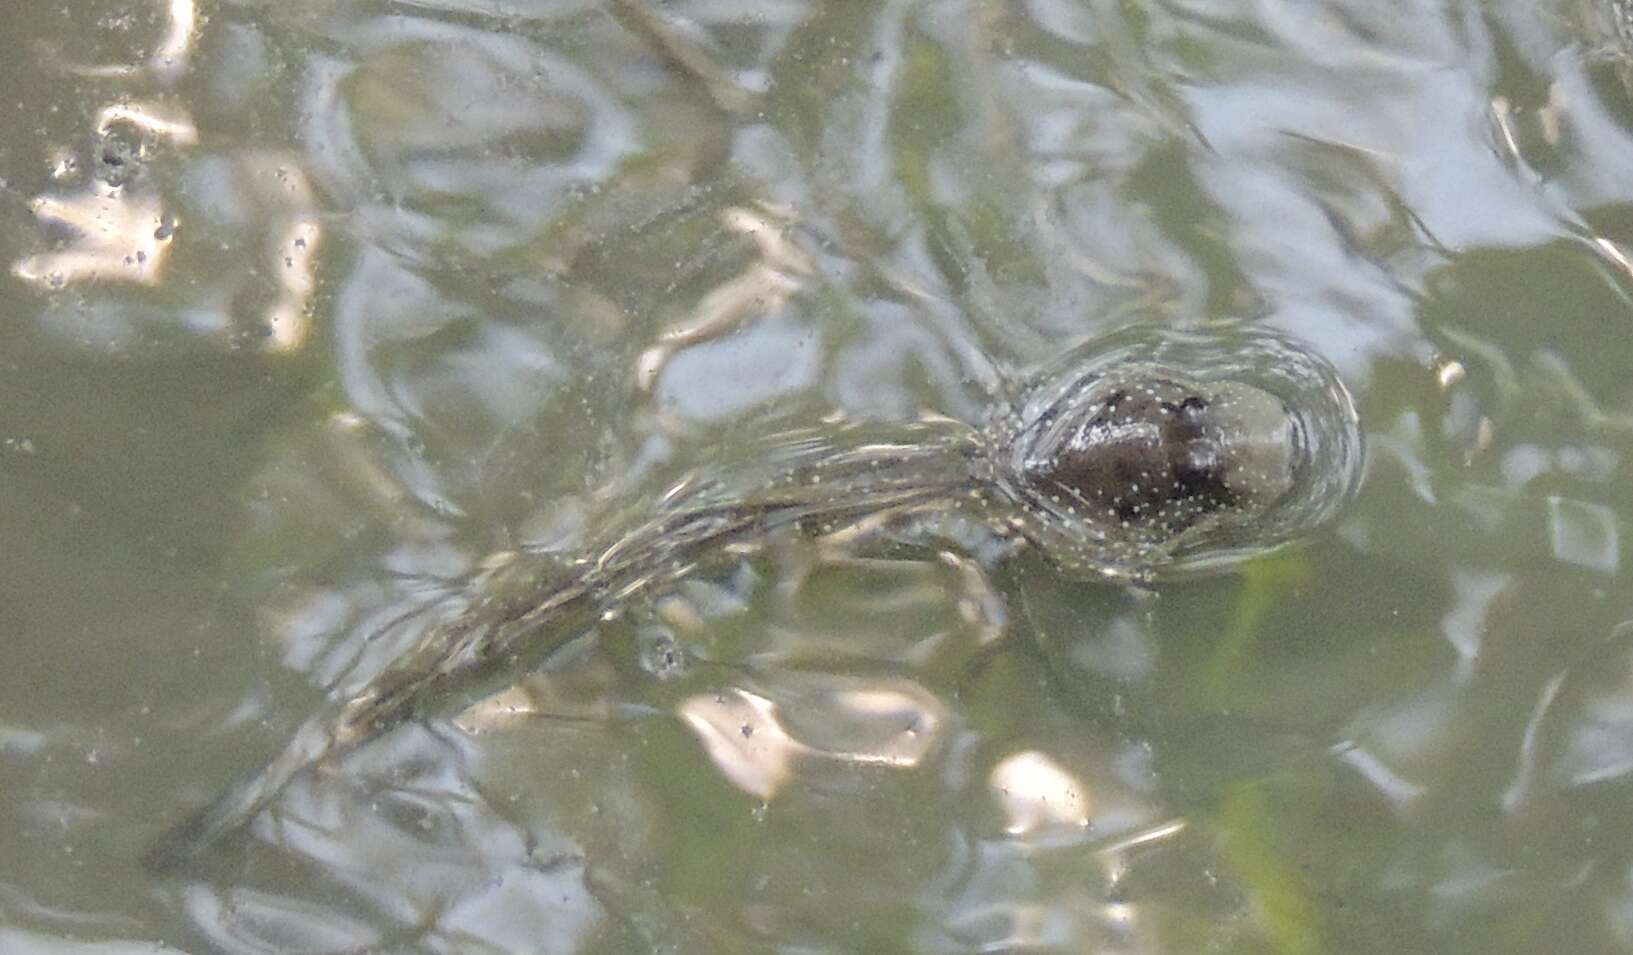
{"x": 311, "y": 309}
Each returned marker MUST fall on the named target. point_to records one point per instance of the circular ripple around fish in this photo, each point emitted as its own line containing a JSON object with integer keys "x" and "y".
{"x": 1154, "y": 452}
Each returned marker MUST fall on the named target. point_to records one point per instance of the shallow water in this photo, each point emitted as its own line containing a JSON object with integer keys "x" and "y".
{"x": 313, "y": 308}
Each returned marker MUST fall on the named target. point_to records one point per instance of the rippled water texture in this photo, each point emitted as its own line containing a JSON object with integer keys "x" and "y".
{"x": 321, "y": 320}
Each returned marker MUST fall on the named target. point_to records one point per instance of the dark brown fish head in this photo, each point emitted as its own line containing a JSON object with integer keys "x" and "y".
{"x": 1160, "y": 461}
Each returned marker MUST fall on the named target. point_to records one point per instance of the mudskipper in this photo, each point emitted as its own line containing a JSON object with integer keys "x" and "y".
{"x": 1137, "y": 457}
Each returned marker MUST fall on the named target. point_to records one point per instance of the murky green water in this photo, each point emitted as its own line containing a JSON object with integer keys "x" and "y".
{"x": 312, "y": 308}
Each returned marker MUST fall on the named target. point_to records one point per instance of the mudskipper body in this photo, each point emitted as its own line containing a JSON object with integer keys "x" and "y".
{"x": 1136, "y": 457}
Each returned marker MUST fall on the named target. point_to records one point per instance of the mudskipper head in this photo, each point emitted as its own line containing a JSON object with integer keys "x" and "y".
{"x": 1151, "y": 454}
